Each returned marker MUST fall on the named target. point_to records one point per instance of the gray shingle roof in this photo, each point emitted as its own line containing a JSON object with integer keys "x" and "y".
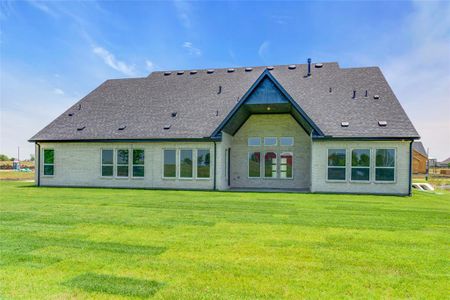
{"x": 145, "y": 105}
{"x": 418, "y": 146}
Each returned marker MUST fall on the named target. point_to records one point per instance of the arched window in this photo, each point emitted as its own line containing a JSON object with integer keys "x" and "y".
{"x": 286, "y": 163}
{"x": 270, "y": 165}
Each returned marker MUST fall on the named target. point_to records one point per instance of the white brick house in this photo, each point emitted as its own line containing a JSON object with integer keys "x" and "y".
{"x": 317, "y": 128}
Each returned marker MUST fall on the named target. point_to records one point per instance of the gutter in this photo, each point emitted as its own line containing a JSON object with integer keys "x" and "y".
{"x": 215, "y": 164}
{"x": 37, "y": 166}
{"x": 410, "y": 169}
{"x": 370, "y": 138}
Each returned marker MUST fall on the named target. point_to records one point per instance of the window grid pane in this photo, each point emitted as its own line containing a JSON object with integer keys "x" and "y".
{"x": 122, "y": 163}
{"x": 254, "y": 141}
{"x": 270, "y": 141}
{"x": 360, "y": 165}
{"x": 107, "y": 162}
{"x": 203, "y": 164}
{"x": 49, "y": 160}
{"x": 286, "y": 165}
{"x": 336, "y": 164}
{"x": 170, "y": 167}
{"x": 138, "y": 163}
{"x": 186, "y": 163}
{"x": 254, "y": 164}
{"x": 270, "y": 165}
{"x": 385, "y": 165}
{"x": 286, "y": 141}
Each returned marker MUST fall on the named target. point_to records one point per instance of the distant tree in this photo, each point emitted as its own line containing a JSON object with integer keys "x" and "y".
{"x": 3, "y": 157}
{"x": 12, "y": 159}
{"x": 31, "y": 157}
{"x": 448, "y": 165}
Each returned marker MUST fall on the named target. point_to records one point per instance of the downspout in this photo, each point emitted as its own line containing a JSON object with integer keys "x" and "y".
{"x": 37, "y": 167}
{"x": 215, "y": 172}
{"x": 410, "y": 169}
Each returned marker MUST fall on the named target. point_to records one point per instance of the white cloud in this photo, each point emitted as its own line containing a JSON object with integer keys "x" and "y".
{"x": 110, "y": 60}
{"x": 43, "y": 7}
{"x": 191, "y": 49}
{"x": 420, "y": 76}
{"x": 183, "y": 9}
{"x": 58, "y": 91}
{"x": 263, "y": 50}
{"x": 150, "y": 66}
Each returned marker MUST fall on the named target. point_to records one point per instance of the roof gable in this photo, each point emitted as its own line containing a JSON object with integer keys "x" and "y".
{"x": 266, "y": 91}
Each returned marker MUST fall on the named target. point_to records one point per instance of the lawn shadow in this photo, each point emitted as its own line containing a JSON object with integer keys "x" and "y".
{"x": 115, "y": 285}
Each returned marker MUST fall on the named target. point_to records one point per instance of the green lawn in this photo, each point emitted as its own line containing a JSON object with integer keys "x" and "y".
{"x": 61, "y": 243}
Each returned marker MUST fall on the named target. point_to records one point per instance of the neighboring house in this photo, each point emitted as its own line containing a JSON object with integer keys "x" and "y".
{"x": 318, "y": 128}
{"x": 420, "y": 158}
{"x": 445, "y": 163}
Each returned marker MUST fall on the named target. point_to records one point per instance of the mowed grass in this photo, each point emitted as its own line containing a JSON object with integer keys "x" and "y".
{"x": 74, "y": 243}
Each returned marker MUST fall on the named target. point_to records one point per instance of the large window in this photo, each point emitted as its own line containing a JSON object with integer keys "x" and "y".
{"x": 270, "y": 141}
{"x": 254, "y": 141}
{"x": 186, "y": 163}
{"x": 170, "y": 166}
{"x": 138, "y": 163}
{"x": 385, "y": 165}
{"x": 270, "y": 165}
{"x": 336, "y": 164}
{"x": 286, "y": 141}
{"x": 107, "y": 162}
{"x": 286, "y": 165}
{"x": 49, "y": 162}
{"x": 122, "y": 163}
{"x": 203, "y": 163}
{"x": 360, "y": 165}
{"x": 254, "y": 164}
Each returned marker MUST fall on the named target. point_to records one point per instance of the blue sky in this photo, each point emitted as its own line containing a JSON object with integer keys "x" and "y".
{"x": 54, "y": 53}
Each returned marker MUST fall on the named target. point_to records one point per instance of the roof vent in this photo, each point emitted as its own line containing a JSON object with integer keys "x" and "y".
{"x": 230, "y": 70}
{"x": 217, "y": 113}
{"x": 344, "y": 124}
{"x": 166, "y": 127}
{"x": 122, "y": 127}
{"x": 180, "y": 72}
{"x": 382, "y": 123}
{"x": 174, "y": 114}
{"x": 70, "y": 114}
{"x": 79, "y": 106}
{"x": 330, "y": 90}
{"x": 366, "y": 94}
{"x": 292, "y": 67}
{"x": 81, "y": 128}
{"x": 248, "y": 69}
{"x": 270, "y": 68}
{"x": 220, "y": 89}
{"x": 193, "y": 72}
{"x": 210, "y": 71}
{"x": 376, "y": 97}
{"x": 167, "y": 73}
{"x": 354, "y": 94}
{"x": 318, "y": 65}
{"x": 309, "y": 67}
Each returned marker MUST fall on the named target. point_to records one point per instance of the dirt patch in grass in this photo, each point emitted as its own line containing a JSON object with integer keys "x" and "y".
{"x": 123, "y": 286}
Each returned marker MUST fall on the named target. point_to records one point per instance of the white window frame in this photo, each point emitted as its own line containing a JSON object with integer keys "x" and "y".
{"x": 101, "y": 162}
{"x": 281, "y": 164}
{"x": 343, "y": 167}
{"x": 136, "y": 165}
{"x": 254, "y": 137}
{"x": 195, "y": 166}
{"x": 248, "y": 164}
{"x": 271, "y": 137}
{"x": 192, "y": 160}
{"x": 394, "y": 167}
{"x": 121, "y": 165}
{"x": 176, "y": 164}
{"x": 47, "y": 164}
{"x": 286, "y": 137}
{"x": 264, "y": 165}
{"x": 360, "y": 167}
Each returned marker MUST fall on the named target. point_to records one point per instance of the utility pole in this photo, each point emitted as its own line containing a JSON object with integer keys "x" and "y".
{"x": 18, "y": 153}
